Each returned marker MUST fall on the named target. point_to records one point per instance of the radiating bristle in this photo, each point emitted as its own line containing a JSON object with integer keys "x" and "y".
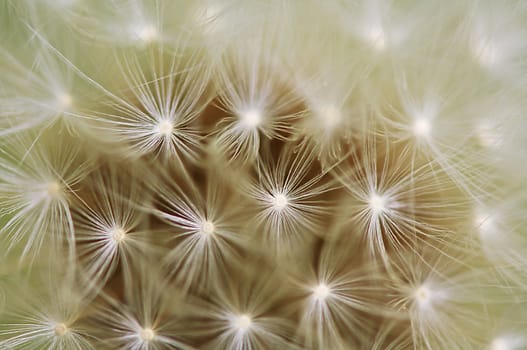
{"x": 37, "y": 180}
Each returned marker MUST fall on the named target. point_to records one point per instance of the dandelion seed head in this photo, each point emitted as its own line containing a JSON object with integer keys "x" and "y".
{"x": 299, "y": 175}
{"x": 242, "y": 323}
{"x": 280, "y": 201}
{"x": 60, "y": 329}
{"x": 147, "y": 334}
{"x": 251, "y": 119}
{"x": 321, "y": 292}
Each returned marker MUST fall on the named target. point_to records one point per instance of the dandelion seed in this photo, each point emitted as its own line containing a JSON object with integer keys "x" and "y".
{"x": 251, "y": 119}
{"x": 489, "y": 135}
{"x": 377, "y": 204}
{"x": 46, "y": 315}
{"x": 422, "y": 128}
{"x": 499, "y": 234}
{"x": 129, "y": 324}
{"x": 61, "y": 329}
{"x": 207, "y": 228}
{"x": 486, "y": 223}
{"x": 321, "y": 292}
{"x": 146, "y": 33}
{"x": 339, "y": 302}
{"x": 279, "y": 201}
{"x": 165, "y": 128}
{"x": 147, "y": 334}
{"x": 64, "y": 101}
{"x": 204, "y": 227}
{"x": 495, "y": 40}
{"x": 499, "y": 344}
{"x": 287, "y": 199}
{"x": 242, "y": 323}
{"x": 508, "y": 329}
{"x": 423, "y": 296}
{"x": 134, "y": 24}
{"x": 156, "y": 113}
{"x": 326, "y": 126}
{"x": 36, "y": 96}
{"x": 257, "y": 98}
{"x": 328, "y": 86}
{"x": 508, "y": 341}
{"x": 221, "y": 22}
{"x": 422, "y": 118}
{"x": 36, "y": 180}
{"x": 108, "y": 225}
{"x": 241, "y": 319}
{"x": 443, "y": 300}
{"x": 330, "y": 116}
{"x": 432, "y": 119}
{"x": 379, "y": 24}
{"x": 486, "y": 53}
{"x": 390, "y": 203}
{"x": 377, "y": 38}
{"x": 53, "y": 189}
{"x": 366, "y": 21}
{"x": 118, "y": 234}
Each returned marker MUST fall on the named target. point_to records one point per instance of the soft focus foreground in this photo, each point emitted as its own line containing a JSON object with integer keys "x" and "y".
{"x": 243, "y": 174}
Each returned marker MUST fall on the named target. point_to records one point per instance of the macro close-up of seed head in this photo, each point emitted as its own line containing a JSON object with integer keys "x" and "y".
{"x": 263, "y": 175}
